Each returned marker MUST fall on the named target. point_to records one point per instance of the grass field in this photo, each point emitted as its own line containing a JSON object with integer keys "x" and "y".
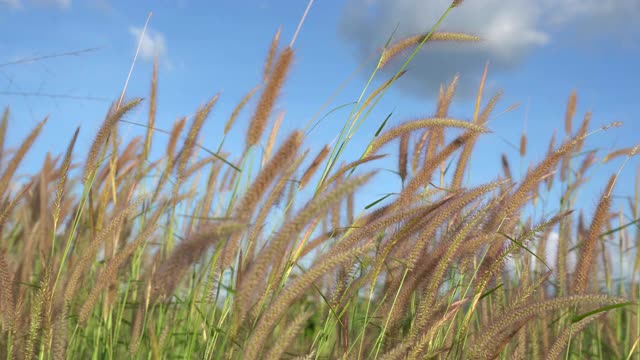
{"x": 200, "y": 253}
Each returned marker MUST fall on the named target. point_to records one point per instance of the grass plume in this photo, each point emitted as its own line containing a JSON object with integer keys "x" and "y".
{"x": 177, "y": 251}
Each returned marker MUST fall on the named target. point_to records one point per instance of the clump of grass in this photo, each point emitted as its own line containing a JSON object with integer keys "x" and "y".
{"x": 241, "y": 259}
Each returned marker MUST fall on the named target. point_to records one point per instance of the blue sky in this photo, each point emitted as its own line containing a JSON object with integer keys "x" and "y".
{"x": 538, "y": 50}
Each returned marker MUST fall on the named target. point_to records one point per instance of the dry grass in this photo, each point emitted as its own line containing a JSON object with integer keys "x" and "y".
{"x": 403, "y": 45}
{"x": 220, "y": 260}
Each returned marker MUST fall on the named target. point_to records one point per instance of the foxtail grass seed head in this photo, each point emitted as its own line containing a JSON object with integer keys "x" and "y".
{"x": 110, "y": 122}
{"x": 173, "y": 138}
{"x": 401, "y": 46}
{"x": 414, "y": 125}
{"x": 3, "y": 132}
{"x": 586, "y": 262}
{"x": 313, "y": 167}
{"x": 273, "y": 134}
{"x": 615, "y": 124}
{"x": 267, "y": 175}
{"x": 505, "y": 166}
{"x": 571, "y": 110}
{"x": 523, "y": 145}
{"x": 7, "y": 306}
{"x": 151, "y": 123}
{"x": 268, "y": 66}
{"x": 630, "y": 151}
{"x": 63, "y": 177}
{"x": 236, "y": 111}
{"x": 18, "y": 156}
{"x": 192, "y": 135}
{"x": 403, "y": 156}
{"x": 269, "y": 95}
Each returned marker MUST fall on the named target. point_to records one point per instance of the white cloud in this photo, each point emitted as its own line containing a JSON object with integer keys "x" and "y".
{"x": 20, "y": 4}
{"x": 11, "y": 4}
{"x": 101, "y": 5}
{"x": 565, "y": 11}
{"x": 511, "y": 31}
{"x": 63, "y": 4}
{"x": 551, "y": 253}
{"x": 153, "y": 44}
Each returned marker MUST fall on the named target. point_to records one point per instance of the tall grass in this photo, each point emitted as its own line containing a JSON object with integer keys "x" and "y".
{"x": 94, "y": 266}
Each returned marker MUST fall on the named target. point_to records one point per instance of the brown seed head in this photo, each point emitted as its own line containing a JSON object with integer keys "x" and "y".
{"x": 269, "y": 95}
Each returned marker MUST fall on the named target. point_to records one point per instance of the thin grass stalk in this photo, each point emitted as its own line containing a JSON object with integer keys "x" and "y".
{"x": 375, "y": 93}
{"x": 347, "y": 131}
